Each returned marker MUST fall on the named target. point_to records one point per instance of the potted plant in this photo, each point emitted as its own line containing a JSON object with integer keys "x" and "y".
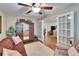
{"x": 10, "y": 31}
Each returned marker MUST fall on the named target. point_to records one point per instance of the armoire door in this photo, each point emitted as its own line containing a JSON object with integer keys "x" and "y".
{"x": 31, "y": 31}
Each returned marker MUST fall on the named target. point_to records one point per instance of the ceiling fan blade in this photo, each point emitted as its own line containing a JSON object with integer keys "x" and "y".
{"x": 48, "y": 8}
{"x": 24, "y": 5}
{"x": 28, "y": 11}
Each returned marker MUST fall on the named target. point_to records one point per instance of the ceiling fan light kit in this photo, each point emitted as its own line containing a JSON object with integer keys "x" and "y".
{"x": 35, "y": 9}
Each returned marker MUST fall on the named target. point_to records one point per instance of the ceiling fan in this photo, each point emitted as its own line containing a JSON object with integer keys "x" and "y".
{"x": 36, "y": 7}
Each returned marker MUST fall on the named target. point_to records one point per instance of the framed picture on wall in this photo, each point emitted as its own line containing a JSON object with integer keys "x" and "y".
{"x": 0, "y": 24}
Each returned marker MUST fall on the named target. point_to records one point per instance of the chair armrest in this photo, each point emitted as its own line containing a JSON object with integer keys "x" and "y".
{"x": 62, "y": 49}
{"x": 1, "y": 50}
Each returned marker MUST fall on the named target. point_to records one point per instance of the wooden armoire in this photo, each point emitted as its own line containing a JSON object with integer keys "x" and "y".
{"x": 19, "y": 29}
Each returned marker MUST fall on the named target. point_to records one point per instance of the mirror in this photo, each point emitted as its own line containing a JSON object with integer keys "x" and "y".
{"x": 25, "y": 31}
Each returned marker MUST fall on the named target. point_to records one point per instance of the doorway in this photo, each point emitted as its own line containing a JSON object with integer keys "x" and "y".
{"x": 50, "y": 37}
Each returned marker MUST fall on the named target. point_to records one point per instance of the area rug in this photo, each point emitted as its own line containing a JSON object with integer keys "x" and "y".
{"x": 38, "y": 49}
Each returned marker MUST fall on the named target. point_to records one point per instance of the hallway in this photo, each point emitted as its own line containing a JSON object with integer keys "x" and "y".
{"x": 51, "y": 42}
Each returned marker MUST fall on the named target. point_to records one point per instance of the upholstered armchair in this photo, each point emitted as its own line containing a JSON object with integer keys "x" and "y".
{"x": 62, "y": 49}
{"x": 9, "y": 44}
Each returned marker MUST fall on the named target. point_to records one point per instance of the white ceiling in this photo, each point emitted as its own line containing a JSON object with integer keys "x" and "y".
{"x": 51, "y": 19}
{"x": 14, "y": 8}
